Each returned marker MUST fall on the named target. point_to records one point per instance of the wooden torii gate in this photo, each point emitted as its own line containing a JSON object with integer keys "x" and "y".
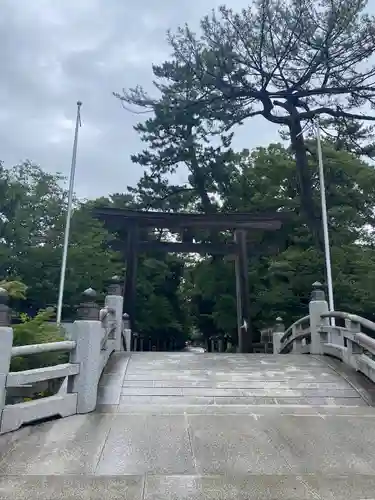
{"x": 239, "y": 224}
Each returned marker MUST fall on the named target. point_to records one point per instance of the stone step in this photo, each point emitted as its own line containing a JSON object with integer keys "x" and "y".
{"x": 188, "y": 379}
{"x": 192, "y": 487}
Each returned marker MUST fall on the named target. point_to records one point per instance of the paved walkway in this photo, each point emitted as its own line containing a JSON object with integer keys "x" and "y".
{"x": 202, "y": 426}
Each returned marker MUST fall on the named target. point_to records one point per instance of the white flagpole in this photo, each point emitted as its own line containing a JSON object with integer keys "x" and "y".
{"x": 68, "y": 215}
{"x": 327, "y": 251}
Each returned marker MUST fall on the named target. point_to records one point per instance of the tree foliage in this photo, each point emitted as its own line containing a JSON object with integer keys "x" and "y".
{"x": 288, "y": 62}
{"x": 33, "y": 212}
{"x": 37, "y": 330}
{"x": 15, "y": 289}
{"x": 281, "y": 282}
{"x": 177, "y": 295}
{"x": 161, "y": 312}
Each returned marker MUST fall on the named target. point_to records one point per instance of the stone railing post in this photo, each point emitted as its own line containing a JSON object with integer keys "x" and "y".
{"x": 278, "y": 332}
{"x": 114, "y": 300}
{"x": 136, "y": 342}
{"x": 87, "y": 333}
{"x": 353, "y": 350}
{"x": 317, "y": 306}
{"x": 297, "y": 344}
{"x": 141, "y": 342}
{"x": 6, "y": 343}
{"x": 220, "y": 343}
{"x": 127, "y": 333}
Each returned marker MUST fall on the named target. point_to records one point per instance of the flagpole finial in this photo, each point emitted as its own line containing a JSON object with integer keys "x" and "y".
{"x": 79, "y": 103}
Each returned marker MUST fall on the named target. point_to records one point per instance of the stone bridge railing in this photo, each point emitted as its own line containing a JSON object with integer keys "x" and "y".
{"x": 93, "y": 338}
{"x": 319, "y": 334}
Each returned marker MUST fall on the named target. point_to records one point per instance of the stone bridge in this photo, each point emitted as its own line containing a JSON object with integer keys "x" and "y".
{"x": 298, "y": 424}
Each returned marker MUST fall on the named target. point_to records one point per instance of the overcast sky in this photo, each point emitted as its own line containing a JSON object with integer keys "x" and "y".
{"x": 55, "y": 52}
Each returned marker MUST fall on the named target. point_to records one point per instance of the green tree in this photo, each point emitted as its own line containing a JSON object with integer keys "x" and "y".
{"x": 281, "y": 281}
{"x": 161, "y": 312}
{"x": 15, "y": 289}
{"x": 33, "y": 211}
{"x": 37, "y": 330}
{"x": 288, "y": 62}
{"x": 177, "y": 139}
{"x": 160, "y": 309}
{"x": 213, "y": 297}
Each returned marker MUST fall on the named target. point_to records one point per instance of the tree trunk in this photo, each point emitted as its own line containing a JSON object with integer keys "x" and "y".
{"x": 313, "y": 217}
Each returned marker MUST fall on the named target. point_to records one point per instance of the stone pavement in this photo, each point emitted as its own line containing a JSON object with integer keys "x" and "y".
{"x": 202, "y": 426}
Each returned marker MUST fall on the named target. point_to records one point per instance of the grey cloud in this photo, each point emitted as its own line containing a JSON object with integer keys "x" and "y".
{"x": 53, "y": 53}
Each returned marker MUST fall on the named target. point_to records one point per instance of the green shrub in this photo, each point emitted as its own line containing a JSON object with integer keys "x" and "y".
{"x": 37, "y": 330}
{"x": 15, "y": 289}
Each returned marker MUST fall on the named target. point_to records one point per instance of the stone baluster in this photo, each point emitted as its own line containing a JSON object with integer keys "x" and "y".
{"x": 225, "y": 342}
{"x": 297, "y": 344}
{"x": 6, "y": 343}
{"x": 278, "y": 332}
{"x": 213, "y": 344}
{"x": 127, "y": 333}
{"x": 334, "y": 336}
{"x": 87, "y": 333}
{"x": 136, "y": 343}
{"x": 317, "y": 306}
{"x": 114, "y": 301}
{"x": 221, "y": 343}
{"x": 353, "y": 350}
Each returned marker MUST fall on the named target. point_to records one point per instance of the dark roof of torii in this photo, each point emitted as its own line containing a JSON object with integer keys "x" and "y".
{"x": 239, "y": 220}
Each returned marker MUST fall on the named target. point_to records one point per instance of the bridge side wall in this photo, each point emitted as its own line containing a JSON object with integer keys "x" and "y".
{"x": 92, "y": 340}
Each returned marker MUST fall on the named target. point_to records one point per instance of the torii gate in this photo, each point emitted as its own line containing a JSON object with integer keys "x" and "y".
{"x": 239, "y": 224}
